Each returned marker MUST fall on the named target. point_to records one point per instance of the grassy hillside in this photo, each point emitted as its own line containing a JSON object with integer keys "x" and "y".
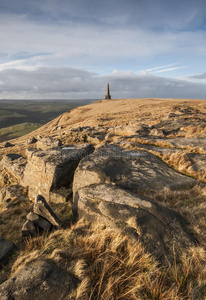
{"x": 19, "y": 117}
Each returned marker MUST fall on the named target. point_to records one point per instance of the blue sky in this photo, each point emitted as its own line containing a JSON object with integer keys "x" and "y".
{"x": 70, "y": 49}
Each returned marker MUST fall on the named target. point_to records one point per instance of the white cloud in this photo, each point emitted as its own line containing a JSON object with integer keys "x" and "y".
{"x": 157, "y": 68}
{"x": 170, "y": 69}
{"x": 20, "y": 64}
{"x": 81, "y": 45}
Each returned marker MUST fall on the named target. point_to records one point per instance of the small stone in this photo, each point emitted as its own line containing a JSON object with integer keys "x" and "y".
{"x": 31, "y": 140}
{"x": 7, "y": 145}
{"x": 157, "y": 132}
{"x": 39, "y": 221}
{"x": 28, "y": 228}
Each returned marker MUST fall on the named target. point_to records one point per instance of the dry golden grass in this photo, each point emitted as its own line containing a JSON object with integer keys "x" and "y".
{"x": 191, "y": 204}
{"x": 110, "y": 267}
{"x": 13, "y": 218}
{"x": 192, "y": 131}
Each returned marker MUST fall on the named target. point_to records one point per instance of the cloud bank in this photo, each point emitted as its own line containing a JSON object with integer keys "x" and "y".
{"x": 70, "y": 83}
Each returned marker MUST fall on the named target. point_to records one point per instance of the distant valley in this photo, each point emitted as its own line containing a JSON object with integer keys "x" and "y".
{"x": 19, "y": 117}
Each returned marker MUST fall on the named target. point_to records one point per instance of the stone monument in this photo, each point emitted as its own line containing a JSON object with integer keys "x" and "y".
{"x": 107, "y": 96}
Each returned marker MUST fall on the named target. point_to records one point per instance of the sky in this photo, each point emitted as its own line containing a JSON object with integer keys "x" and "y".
{"x": 70, "y": 49}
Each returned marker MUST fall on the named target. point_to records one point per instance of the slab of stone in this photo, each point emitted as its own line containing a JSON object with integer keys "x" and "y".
{"x": 6, "y": 249}
{"x": 49, "y": 170}
{"x": 131, "y": 170}
{"x": 42, "y": 208}
{"x": 159, "y": 229}
{"x": 39, "y": 279}
{"x": 131, "y": 130}
{"x": 134, "y": 145}
{"x": 28, "y": 229}
{"x": 39, "y": 221}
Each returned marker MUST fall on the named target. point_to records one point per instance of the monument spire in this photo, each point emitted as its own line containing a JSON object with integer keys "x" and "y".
{"x": 107, "y": 96}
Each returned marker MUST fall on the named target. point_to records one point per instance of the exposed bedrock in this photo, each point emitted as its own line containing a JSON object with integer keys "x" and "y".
{"x": 103, "y": 186}
{"x": 161, "y": 230}
{"x": 131, "y": 170}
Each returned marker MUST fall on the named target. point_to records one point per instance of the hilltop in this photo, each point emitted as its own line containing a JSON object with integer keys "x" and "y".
{"x": 126, "y": 181}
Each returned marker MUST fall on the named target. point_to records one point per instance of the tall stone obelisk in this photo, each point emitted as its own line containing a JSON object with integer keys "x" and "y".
{"x": 107, "y": 96}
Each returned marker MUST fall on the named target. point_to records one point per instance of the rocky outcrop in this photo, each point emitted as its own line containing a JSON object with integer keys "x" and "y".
{"x": 39, "y": 279}
{"x": 131, "y": 170}
{"x": 101, "y": 188}
{"x": 49, "y": 170}
{"x": 6, "y": 249}
{"x": 161, "y": 230}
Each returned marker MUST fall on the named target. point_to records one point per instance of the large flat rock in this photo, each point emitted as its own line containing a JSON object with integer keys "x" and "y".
{"x": 6, "y": 249}
{"x": 131, "y": 170}
{"x": 39, "y": 279}
{"x": 161, "y": 230}
{"x": 48, "y": 170}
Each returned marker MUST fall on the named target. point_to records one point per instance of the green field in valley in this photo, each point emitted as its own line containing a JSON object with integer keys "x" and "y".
{"x": 18, "y": 130}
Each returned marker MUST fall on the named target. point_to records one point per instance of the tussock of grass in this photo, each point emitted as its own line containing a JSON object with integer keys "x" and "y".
{"x": 12, "y": 219}
{"x": 191, "y": 204}
{"x": 182, "y": 163}
{"x": 192, "y": 131}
